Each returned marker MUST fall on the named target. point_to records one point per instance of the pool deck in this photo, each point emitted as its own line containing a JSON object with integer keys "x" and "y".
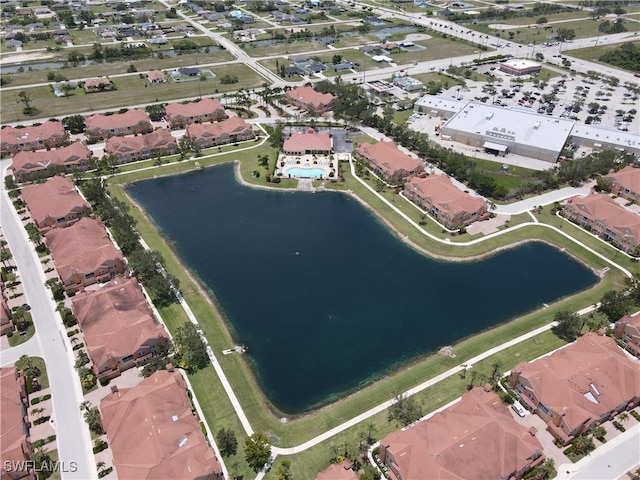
{"x": 324, "y": 163}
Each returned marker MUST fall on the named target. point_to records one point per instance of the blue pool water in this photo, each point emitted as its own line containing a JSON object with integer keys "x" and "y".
{"x": 304, "y": 172}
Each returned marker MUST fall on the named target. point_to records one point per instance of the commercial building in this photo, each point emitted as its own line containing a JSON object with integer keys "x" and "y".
{"x": 409, "y": 84}
{"x": 580, "y": 386}
{"x": 600, "y": 137}
{"x": 476, "y": 438}
{"x": 502, "y": 130}
{"x": 519, "y": 67}
{"x": 437, "y": 106}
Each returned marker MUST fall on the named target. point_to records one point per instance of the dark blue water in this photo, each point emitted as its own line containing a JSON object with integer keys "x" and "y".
{"x": 323, "y": 295}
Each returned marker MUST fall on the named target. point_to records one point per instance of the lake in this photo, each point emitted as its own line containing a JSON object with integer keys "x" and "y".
{"x": 324, "y": 296}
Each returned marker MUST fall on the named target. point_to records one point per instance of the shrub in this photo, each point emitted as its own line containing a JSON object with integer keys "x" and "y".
{"x": 78, "y": 346}
{"x": 104, "y": 473}
{"x": 104, "y": 381}
{"x": 618, "y": 425}
{"x": 46, "y": 397}
{"x": 100, "y": 446}
{"x": 40, "y": 420}
{"x": 36, "y": 401}
{"x": 635, "y": 415}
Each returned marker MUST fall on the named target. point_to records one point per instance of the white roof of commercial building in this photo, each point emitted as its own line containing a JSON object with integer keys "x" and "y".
{"x": 506, "y": 126}
{"x": 520, "y": 64}
{"x": 606, "y": 135}
{"x": 435, "y": 102}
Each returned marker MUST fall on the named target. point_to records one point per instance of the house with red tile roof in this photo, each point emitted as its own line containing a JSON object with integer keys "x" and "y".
{"x": 154, "y": 434}
{"x": 46, "y": 135}
{"x": 599, "y": 214}
{"x": 156, "y": 76}
{"x": 626, "y": 183}
{"x": 308, "y": 143}
{"x": 338, "y": 471}
{"x": 234, "y": 129}
{"x": 84, "y": 254}
{"x": 55, "y": 203}
{"x": 100, "y": 127}
{"x": 15, "y": 445}
{"x": 140, "y": 147}
{"x": 580, "y": 386}
{"x": 179, "y": 115}
{"x": 447, "y": 203}
{"x": 476, "y": 437}
{"x": 97, "y": 83}
{"x": 45, "y": 163}
{"x": 387, "y": 161}
{"x": 119, "y": 328}
{"x": 308, "y": 99}
{"x": 627, "y": 331}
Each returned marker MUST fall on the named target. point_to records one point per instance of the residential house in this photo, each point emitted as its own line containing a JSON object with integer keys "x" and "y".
{"x": 308, "y": 99}
{"x": 476, "y": 437}
{"x": 232, "y": 130}
{"x": 626, "y": 183}
{"x": 156, "y": 76}
{"x": 153, "y": 432}
{"x": 309, "y": 143}
{"x": 627, "y": 331}
{"x": 99, "y": 83}
{"x": 338, "y": 471}
{"x": 15, "y": 445}
{"x": 373, "y": 21}
{"x": 140, "y": 147}
{"x": 447, "y": 203}
{"x": 188, "y": 71}
{"x": 342, "y": 66}
{"x": 55, "y": 203}
{"x": 49, "y": 134}
{"x": 580, "y": 386}
{"x": 84, "y": 254}
{"x": 602, "y": 216}
{"x": 45, "y": 163}
{"x": 119, "y": 328}
{"x": 100, "y": 127}
{"x": 387, "y": 161}
{"x": 179, "y": 115}
{"x": 13, "y": 43}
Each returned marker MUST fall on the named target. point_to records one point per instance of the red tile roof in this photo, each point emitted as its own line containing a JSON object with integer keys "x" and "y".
{"x": 153, "y": 433}
{"x": 55, "y": 198}
{"x": 206, "y": 106}
{"x": 82, "y": 248}
{"x": 389, "y": 158}
{"x": 593, "y": 367}
{"x": 115, "y": 319}
{"x": 15, "y": 136}
{"x": 160, "y": 138}
{"x": 27, "y": 162}
{"x": 13, "y": 444}
{"x": 231, "y": 126}
{"x": 96, "y": 82}
{"x": 338, "y": 471}
{"x": 628, "y": 177}
{"x": 130, "y": 118}
{"x": 301, "y": 142}
{"x": 156, "y": 75}
{"x": 601, "y": 207}
{"x": 308, "y": 96}
{"x": 476, "y": 438}
{"x": 447, "y": 197}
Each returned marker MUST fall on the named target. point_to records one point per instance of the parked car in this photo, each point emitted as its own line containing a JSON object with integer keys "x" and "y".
{"x": 518, "y": 408}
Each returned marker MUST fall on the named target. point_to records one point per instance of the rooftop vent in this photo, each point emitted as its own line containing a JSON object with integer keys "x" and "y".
{"x": 489, "y": 116}
{"x": 174, "y": 418}
{"x": 182, "y": 441}
{"x": 536, "y": 125}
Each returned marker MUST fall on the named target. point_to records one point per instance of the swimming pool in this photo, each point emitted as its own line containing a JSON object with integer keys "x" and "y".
{"x": 305, "y": 172}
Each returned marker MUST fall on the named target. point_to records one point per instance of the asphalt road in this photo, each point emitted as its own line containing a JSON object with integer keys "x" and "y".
{"x": 73, "y": 438}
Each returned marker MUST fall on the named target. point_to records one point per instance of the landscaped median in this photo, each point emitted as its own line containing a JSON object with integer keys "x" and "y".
{"x": 214, "y": 401}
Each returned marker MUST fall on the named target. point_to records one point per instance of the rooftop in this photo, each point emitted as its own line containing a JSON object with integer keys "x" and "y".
{"x": 231, "y": 126}
{"x": 46, "y": 130}
{"x": 153, "y": 433}
{"x": 129, "y": 118}
{"x": 628, "y": 177}
{"x": 205, "y": 106}
{"x": 24, "y": 161}
{"x": 160, "y": 138}
{"x": 54, "y": 198}
{"x": 387, "y": 154}
{"x": 445, "y": 194}
{"x": 12, "y": 434}
{"x": 300, "y": 142}
{"x": 309, "y": 96}
{"x": 600, "y": 206}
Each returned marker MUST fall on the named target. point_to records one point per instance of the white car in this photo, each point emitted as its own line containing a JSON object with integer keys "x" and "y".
{"x": 518, "y": 408}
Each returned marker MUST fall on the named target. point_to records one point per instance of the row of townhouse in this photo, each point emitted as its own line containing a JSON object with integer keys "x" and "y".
{"x": 580, "y": 386}
{"x": 572, "y": 390}
{"x": 15, "y": 441}
{"x": 601, "y": 215}
{"x": 136, "y": 145}
{"x": 306, "y": 98}
{"x": 151, "y": 427}
{"x": 627, "y": 332}
{"x": 435, "y": 193}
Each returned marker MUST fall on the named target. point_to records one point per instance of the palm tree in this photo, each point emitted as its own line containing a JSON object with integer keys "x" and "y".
{"x": 37, "y": 412}
{"x": 623, "y": 417}
{"x": 100, "y": 465}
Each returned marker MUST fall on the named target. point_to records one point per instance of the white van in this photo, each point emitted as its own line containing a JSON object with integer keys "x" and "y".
{"x": 518, "y": 408}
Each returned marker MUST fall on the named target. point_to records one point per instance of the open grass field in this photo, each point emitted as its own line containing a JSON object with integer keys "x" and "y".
{"x": 592, "y": 54}
{"x": 132, "y": 90}
{"x": 114, "y": 68}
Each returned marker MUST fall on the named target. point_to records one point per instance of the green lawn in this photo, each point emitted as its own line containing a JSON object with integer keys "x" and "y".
{"x": 17, "y": 339}
{"x": 36, "y": 362}
{"x": 132, "y": 90}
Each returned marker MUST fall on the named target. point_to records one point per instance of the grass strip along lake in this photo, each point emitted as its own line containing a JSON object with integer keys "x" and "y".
{"x": 323, "y": 295}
